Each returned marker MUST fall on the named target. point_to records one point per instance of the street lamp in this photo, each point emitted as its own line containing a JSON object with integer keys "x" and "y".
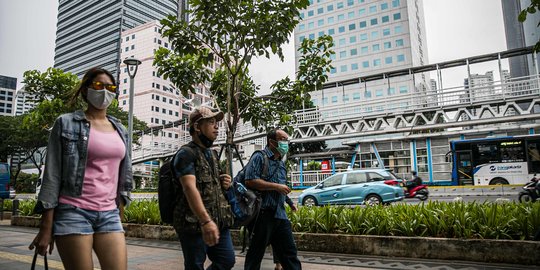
{"x": 131, "y": 62}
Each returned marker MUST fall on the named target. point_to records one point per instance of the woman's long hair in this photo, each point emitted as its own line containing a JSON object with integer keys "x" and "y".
{"x": 86, "y": 82}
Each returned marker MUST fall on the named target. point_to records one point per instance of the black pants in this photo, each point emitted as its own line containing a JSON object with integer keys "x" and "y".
{"x": 277, "y": 232}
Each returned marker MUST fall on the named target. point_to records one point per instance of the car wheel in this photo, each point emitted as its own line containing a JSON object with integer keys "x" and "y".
{"x": 498, "y": 181}
{"x": 372, "y": 200}
{"x": 309, "y": 201}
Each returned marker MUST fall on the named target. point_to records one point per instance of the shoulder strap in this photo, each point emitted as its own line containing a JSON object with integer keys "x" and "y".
{"x": 264, "y": 173}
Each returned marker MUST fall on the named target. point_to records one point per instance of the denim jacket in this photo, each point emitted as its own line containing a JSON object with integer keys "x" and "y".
{"x": 65, "y": 165}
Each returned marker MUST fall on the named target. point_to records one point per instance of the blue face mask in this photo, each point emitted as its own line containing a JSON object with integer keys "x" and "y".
{"x": 283, "y": 147}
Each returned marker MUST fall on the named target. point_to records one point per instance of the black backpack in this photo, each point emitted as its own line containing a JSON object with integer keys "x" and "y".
{"x": 169, "y": 189}
{"x": 246, "y": 203}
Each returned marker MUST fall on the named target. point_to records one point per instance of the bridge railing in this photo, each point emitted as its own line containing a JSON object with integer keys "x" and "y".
{"x": 309, "y": 178}
{"x": 422, "y": 99}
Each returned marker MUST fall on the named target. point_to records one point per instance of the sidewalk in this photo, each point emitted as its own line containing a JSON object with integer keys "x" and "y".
{"x": 154, "y": 254}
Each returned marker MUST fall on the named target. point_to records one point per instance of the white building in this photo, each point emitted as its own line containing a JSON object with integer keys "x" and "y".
{"x": 371, "y": 37}
{"x": 23, "y": 102}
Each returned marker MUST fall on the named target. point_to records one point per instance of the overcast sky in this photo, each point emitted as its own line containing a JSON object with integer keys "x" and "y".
{"x": 455, "y": 29}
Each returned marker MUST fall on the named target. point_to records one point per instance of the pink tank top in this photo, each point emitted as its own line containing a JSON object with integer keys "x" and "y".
{"x": 105, "y": 152}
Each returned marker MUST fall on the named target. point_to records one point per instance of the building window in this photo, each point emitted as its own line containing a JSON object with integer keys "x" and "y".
{"x": 314, "y": 101}
{"x": 364, "y": 50}
{"x": 331, "y": 31}
{"x": 384, "y": 6}
{"x": 375, "y": 34}
{"x": 397, "y": 29}
{"x": 302, "y": 15}
{"x": 321, "y": 33}
{"x": 395, "y": 3}
{"x": 399, "y": 42}
{"x": 388, "y": 60}
{"x": 311, "y": 36}
{"x": 386, "y": 32}
{"x": 376, "y": 62}
{"x": 365, "y": 64}
{"x": 361, "y": 11}
{"x": 403, "y": 89}
{"x": 340, "y": 17}
{"x": 342, "y": 54}
{"x": 352, "y": 39}
{"x": 378, "y": 93}
{"x": 310, "y": 13}
{"x": 133, "y": 47}
{"x": 385, "y": 19}
{"x": 332, "y": 71}
{"x": 301, "y": 38}
{"x": 343, "y": 68}
{"x": 356, "y": 96}
{"x": 350, "y": 15}
{"x": 330, "y": 8}
{"x": 387, "y": 45}
{"x": 333, "y": 56}
{"x": 127, "y": 38}
{"x": 311, "y": 25}
{"x": 330, "y": 20}
{"x": 341, "y": 42}
{"x": 363, "y": 37}
{"x": 352, "y": 26}
{"x": 126, "y": 49}
{"x": 397, "y": 16}
{"x": 125, "y": 80}
{"x": 373, "y": 21}
{"x": 320, "y": 22}
{"x": 325, "y": 101}
{"x": 354, "y": 52}
{"x": 124, "y": 92}
{"x": 302, "y": 27}
{"x": 320, "y": 10}
{"x": 334, "y": 99}
{"x": 363, "y": 24}
{"x": 353, "y": 67}
{"x": 341, "y": 29}
{"x": 372, "y": 9}
{"x": 391, "y": 91}
{"x": 401, "y": 58}
{"x": 133, "y": 36}
{"x": 367, "y": 94}
{"x": 375, "y": 47}
{"x": 350, "y": 3}
{"x": 124, "y": 102}
{"x": 339, "y": 5}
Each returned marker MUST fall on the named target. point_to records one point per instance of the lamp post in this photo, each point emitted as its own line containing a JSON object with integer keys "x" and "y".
{"x": 131, "y": 62}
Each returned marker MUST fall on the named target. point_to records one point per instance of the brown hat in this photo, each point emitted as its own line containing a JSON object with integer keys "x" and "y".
{"x": 204, "y": 112}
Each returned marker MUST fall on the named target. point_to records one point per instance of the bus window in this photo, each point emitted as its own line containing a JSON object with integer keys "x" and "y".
{"x": 486, "y": 153}
{"x": 512, "y": 151}
{"x": 533, "y": 156}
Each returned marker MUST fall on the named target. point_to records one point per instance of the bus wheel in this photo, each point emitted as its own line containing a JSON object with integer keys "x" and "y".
{"x": 498, "y": 181}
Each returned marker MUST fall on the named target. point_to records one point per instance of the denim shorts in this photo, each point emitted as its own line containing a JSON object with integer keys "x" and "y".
{"x": 69, "y": 219}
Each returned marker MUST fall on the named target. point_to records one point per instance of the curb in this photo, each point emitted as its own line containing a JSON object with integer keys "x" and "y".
{"x": 479, "y": 250}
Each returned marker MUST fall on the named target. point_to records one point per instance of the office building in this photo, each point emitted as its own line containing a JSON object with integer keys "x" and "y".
{"x": 88, "y": 32}
{"x": 23, "y": 102}
{"x": 370, "y": 37}
{"x": 7, "y": 95}
{"x": 519, "y": 35}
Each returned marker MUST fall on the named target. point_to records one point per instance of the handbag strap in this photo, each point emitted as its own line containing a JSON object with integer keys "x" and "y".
{"x": 35, "y": 259}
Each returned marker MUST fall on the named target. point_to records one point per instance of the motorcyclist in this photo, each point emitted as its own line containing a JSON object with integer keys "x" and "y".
{"x": 414, "y": 182}
{"x": 535, "y": 194}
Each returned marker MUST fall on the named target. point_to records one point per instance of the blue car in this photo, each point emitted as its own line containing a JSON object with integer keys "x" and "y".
{"x": 353, "y": 187}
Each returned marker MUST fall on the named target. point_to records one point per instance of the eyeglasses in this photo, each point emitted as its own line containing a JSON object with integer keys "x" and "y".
{"x": 100, "y": 86}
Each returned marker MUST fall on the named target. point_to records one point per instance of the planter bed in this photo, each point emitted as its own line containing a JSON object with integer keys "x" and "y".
{"x": 490, "y": 251}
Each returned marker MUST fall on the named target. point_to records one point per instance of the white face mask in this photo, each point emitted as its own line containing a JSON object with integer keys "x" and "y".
{"x": 101, "y": 99}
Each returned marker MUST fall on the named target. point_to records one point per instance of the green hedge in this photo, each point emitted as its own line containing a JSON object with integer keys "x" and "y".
{"x": 470, "y": 220}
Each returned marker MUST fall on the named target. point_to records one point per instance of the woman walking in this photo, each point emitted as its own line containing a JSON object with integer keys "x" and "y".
{"x": 86, "y": 182}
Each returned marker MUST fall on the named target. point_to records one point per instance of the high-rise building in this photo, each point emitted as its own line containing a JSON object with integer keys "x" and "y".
{"x": 88, "y": 32}
{"x": 23, "y": 102}
{"x": 7, "y": 94}
{"x": 370, "y": 37}
{"x": 519, "y": 35}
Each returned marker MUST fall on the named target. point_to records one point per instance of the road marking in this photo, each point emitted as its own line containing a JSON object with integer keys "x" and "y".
{"x": 28, "y": 259}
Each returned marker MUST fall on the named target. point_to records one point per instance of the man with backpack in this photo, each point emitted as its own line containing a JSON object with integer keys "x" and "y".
{"x": 202, "y": 215}
{"x": 271, "y": 225}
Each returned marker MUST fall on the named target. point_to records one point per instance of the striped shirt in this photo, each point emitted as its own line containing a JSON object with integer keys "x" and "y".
{"x": 271, "y": 200}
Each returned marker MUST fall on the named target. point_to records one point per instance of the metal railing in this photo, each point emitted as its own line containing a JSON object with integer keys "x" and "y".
{"x": 310, "y": 178}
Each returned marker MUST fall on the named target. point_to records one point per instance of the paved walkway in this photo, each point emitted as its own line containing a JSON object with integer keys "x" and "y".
{"x": 146, "y": 254}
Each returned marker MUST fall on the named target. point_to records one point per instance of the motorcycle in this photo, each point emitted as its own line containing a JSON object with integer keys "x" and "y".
{"x": 529, "y": 192}
{"x": 420, "y": 192}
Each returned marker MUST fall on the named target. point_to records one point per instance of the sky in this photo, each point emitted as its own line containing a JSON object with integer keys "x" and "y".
{"x": 454, "y": 29}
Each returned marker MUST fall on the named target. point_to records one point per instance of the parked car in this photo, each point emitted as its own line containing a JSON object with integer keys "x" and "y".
{"x": 354, "y": 187}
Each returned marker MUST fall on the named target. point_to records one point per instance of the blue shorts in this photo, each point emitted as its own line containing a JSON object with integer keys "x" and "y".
{"x": 69, "y": 219}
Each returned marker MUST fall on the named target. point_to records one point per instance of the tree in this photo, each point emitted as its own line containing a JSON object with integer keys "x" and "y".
{"x": 230, "y": 33}
{"x": 532, "y": 8}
